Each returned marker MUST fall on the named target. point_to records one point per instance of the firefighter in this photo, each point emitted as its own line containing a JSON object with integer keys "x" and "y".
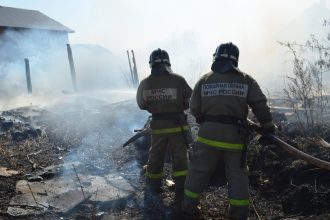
{"x": 165, "y": 95}
{"x": 220, "y": 102}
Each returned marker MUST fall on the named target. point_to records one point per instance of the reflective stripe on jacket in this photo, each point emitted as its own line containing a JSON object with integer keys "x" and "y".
{"x": 220, "y": 144}
{"x": 170, "y": 130}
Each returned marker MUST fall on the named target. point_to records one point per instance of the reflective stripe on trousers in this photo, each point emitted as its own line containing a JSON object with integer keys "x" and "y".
{"x": 169, "y": 130}
{"x": 192, "y": 195}
{"x": 220, "y": 144}
{"x": 239, "y": 202}
{"x": 154, "y": 175}
{"x": 234, "y": 202}
{"x": 179, "y": 173}
{"x": 160, "y": 175}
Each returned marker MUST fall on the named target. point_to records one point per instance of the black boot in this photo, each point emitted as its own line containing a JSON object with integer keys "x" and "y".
{"x": 153, "y": 200}
{"x": 178, "y": 198}
{"x": 177, "y": 212}
{"x": 191, "y": 209}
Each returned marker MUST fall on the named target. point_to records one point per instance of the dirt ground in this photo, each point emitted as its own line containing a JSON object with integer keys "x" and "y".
{"x": 281, "y": 186}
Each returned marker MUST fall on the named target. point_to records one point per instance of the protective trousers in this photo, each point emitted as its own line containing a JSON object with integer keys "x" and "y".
{"x": 174, "y": 144}
{"x": 201, "y": 167}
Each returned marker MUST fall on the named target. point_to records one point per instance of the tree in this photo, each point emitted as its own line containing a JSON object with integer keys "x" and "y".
{"x": 305, "y": 90}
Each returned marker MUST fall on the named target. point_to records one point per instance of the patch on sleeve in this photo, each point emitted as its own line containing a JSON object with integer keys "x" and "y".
{"x": 161, "y": 94}
{"x": 226, "y": 89}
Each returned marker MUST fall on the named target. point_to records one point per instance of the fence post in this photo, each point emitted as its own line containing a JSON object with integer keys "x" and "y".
{"x": 72, "y": 68}
{"x": 28, "y": 76}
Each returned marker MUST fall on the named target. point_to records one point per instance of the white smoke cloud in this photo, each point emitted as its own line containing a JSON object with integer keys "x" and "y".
{"x": 47, "y": 66}
{"x": 96, "y": 67}
{"x": 189, "y": 30}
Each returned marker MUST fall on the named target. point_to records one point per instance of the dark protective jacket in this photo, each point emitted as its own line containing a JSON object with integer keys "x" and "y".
{"x": 164, "y": 93}
{"x": 227, "y": 92}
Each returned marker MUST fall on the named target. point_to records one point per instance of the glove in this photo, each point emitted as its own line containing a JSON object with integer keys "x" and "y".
{"x": 200, "y": 119}
{"x": 270, "y": 127}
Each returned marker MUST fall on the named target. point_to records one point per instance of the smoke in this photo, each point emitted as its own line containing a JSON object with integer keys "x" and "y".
{"x": 191, "y": 30}
{"x": 96, "y": 67}
{"x": 45, "y": 58}
{"x": 97, "y": 124}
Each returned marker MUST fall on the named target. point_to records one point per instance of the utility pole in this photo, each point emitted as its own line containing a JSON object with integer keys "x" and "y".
{"x": 28, "y": 76}
{"x": 321, "y": 97}
{"x": 130, "y": 67}
{"x": 136, "y": 76}
{"x": 72, "y": 68}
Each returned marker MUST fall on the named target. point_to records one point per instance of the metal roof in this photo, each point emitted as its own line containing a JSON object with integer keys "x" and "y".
{"x": 23, "y": 18}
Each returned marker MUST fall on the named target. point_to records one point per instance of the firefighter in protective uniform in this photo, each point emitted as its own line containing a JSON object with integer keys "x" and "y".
{"x": 165, "y": 95}
{"x": 220, "y": 102}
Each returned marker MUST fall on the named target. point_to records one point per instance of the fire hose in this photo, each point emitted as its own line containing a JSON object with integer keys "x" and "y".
{"x": 140, "y": 133}
{"x": 146, "y": 131}
{"x": 289, "y": 148}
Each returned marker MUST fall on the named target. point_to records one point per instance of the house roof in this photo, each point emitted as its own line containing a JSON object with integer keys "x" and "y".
{"x": 23, "y": 18}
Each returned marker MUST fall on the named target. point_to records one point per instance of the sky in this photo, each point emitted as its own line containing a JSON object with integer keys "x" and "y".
{"x": 189, "y": 30}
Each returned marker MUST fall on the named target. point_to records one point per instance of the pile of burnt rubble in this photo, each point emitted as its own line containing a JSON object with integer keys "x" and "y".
{"x": 17, "y": 125}
{"x": 53, "y": 165}
{"x": 297, "y": 189}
